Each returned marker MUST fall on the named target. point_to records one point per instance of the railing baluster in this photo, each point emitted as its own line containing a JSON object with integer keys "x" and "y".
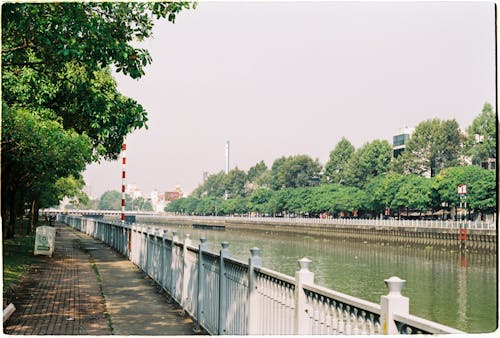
{"x": 273, "y": 303}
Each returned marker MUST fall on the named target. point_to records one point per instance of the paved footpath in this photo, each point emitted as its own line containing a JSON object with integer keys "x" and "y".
{"x": 86, "y": 288}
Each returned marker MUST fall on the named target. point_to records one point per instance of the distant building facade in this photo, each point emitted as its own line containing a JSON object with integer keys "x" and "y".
{"x": 133, "y": 191}
{"x": 173, "y": 195}
{"x": 399, "y": 141}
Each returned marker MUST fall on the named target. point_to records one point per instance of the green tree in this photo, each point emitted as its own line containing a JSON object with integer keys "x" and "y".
{"x": 259, "y": 200}
{"x": 214, "y": 186}
{"x": 258, "y": 176}
{"x": 336, "y": 165}
{"x": 185, "y": 205}
{"x": 278, "y": 201}
{"x": 234, "y": 183}
{"x": 71, "y": 187}
{"x": 256, "y": 172}
{"x": 382, "y": 190}
{"x": 139, "y": 203}
{"x": 236, "y": 205}
{"x": 55, "y": 59}
{"x": 35, "y": 154}
{"x": 369, "y": 161}
{"x": 277, "y": 179}
{"x": 295, "y": 171}
{"x": 481, "y": 143}
{"x": 56, "y": 78}
{"x": 94, "y": 34}
{"x": 209, "y": 206}
{"x": 434, "y": 145}
{"x": 111, "y": 200}
{"x": 481, "y": 188}
{"x": 415, "y": 193}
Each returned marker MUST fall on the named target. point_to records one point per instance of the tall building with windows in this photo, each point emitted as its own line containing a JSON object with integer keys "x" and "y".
{"x": 399, "y": 141}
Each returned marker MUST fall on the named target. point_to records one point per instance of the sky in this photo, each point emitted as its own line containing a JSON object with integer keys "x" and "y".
{"x": 287, "y": 78}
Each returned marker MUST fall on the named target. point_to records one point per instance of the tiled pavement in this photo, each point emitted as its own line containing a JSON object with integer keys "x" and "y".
{"x": 63, "y": 295}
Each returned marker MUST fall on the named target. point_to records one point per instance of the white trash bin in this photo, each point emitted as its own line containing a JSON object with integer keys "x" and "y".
{"x": 45, "y": 240}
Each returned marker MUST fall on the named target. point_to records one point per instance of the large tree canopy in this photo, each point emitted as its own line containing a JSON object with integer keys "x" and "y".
{"x": 335, "y": 168}
{"x": 481, "y": 142}
{"x": 36, "y": 152}
{"x": 56, "y": 58}
{"x": 295, "y": 171}
{"x": 434, "y": 145}
{"x": 96, "y": 34}
{"x": 61, "y": 107}
{"x": 481, "y": 187}
{"x": 369, "y": 161}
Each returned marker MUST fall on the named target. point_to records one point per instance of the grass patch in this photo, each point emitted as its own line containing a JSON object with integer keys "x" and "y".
{"x": 18, "y": 255}
{"x": 17, "y": 258}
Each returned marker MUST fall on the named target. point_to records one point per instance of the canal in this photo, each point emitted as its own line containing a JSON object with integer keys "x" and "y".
{"x": 443, "y": 285}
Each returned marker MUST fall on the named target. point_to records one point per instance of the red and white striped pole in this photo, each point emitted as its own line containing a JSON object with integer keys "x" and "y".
{"x": 124, "y": 161}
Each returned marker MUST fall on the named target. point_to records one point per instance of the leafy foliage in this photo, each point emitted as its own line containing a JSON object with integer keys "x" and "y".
{"x": 235, "y": 182}
{"x": 295, "y": 171}
{"x": 335, "y": 168}
{"x": 414, "y": 192}
{"x": 61, "y": 108}
{"x": 434, "y": 145}
{"x": 94, "y": 34}
{"x": 481, "y": 143}
{"x": 371, "y": 182}
{"x": 481, "y": 187}
{"x": 369, "y": 161}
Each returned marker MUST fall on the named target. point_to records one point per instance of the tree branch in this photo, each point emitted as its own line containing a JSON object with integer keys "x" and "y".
{"x": 22, "y": 64}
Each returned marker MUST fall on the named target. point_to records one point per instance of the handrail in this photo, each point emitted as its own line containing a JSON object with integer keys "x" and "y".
{"x": 409, "y": 324}
{"x": 228, "y": 296}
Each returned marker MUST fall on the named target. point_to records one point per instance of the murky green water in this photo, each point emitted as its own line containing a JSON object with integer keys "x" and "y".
{"x": 443, "y": 286}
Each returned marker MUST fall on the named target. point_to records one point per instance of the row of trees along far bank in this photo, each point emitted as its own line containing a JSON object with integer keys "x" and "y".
{"x": 365, "y": 182}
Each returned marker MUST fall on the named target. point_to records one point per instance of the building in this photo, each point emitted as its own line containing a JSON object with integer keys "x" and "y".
{"x": 133, "y": 191}
{"x": 173, "y": 195}
{"x": 399, "y": 141}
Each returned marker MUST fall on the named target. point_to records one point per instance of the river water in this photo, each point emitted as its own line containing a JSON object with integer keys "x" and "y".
{"x": 442, "y": 285}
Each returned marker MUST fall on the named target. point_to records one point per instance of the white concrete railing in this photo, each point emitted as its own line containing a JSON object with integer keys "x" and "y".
{"x": 229, "y": 297}
{"x": 417, "y": 223}
{"x": 436, "y": 224}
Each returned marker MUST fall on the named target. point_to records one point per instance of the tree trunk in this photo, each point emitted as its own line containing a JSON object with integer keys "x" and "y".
{"x": 37, "y": 212}
{"x": 12, "y": 216}
{"x": 4, "y": 213}
{"x": 32, "y": 217}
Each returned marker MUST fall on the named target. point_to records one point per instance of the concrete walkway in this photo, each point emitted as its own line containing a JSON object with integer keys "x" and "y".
{"x": 86, "y": 288}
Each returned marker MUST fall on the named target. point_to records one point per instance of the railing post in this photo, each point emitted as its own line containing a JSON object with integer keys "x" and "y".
{"x": 253, "y": 325}
{"x": 302, "y": 319}
{"x": 175, "y": 238}
{"x": 186, "y": 271}
{"x": 163, "y": 281}
{"x": 224, "y": 252}
{"x": 392, "y": 303}
{"x": 201, "y": 290}
{"x": 156, "y": 255}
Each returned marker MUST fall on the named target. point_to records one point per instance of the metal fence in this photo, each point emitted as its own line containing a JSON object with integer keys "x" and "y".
{"x": 229, "y": 297}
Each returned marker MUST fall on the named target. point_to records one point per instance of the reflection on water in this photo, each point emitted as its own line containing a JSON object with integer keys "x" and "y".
{"x": 443, "y": 286}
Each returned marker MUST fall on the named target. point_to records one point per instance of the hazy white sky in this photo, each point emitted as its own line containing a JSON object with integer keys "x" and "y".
{"x": 287, "y": 78}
